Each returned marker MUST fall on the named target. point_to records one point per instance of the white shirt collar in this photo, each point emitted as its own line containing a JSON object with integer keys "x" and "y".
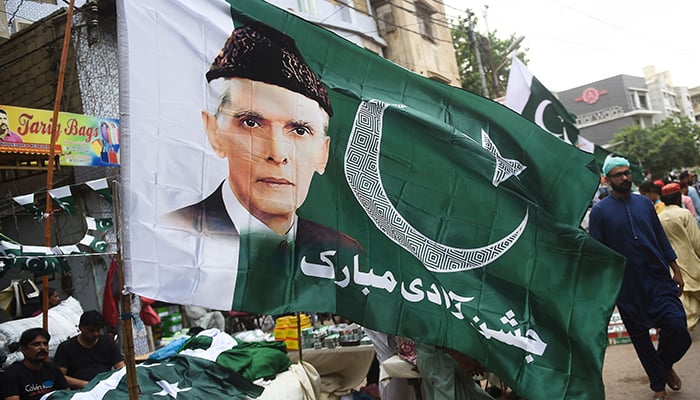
{"x": 245, "y": 222}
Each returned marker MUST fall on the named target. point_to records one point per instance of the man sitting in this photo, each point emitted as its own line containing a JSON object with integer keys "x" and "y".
{"x": 86, "y": 355}
{"x": 35, "y": 375}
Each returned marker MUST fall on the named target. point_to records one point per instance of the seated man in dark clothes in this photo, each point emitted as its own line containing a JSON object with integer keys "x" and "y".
{"x": 35, "y": 375}
{"x": 86, "y": 355}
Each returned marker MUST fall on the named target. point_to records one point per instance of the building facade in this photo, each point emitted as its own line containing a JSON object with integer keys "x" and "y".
{"x": 604, "y": 107}
{"x": 694, "y": 94}
{"x": 414, "y": 35}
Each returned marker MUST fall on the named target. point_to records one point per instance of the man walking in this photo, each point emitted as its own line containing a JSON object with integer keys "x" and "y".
{"x": 628, "y": 224}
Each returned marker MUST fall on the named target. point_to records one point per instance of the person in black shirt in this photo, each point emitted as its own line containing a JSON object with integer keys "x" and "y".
{"x": 86, "y": 355}
{"x": 35, "y": 375}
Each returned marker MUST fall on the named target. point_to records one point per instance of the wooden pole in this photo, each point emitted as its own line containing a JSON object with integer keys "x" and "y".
{"x": 126, "y": 319}
{"x": 299, "y": 335}
{"x": 49, "y": 174}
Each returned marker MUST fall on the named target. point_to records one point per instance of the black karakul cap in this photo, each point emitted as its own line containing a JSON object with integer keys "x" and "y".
{"x": 261, "y": 53}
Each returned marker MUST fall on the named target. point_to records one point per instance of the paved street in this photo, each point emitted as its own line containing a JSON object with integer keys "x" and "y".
{"x": 625, "y": 379}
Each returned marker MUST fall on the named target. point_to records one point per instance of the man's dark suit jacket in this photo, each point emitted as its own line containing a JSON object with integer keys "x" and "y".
{"x": 209, "y": 217}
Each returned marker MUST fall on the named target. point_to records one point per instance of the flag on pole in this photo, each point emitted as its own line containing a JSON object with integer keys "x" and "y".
{"x": 178, "y": 377}
{"x": 529, "y": 98}
{"x": 276, "y": 167}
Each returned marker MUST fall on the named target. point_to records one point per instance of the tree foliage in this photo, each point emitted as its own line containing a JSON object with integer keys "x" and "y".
{"x": 672, "y": 144}
{"x": 493, "y": 53}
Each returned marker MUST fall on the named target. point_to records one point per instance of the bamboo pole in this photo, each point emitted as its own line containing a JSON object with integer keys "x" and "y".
{"x": 52, "y": 151}
{"x": 299, "y": 335}
{"x": 126, "y": 316}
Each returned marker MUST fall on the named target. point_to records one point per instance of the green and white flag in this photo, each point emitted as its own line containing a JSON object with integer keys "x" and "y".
{"x": 99, "y": 224}
{"x": 101, "y": 187}
{"x": 417, "y": 209}
{"x": 94, "y": 243}
{"x": 63, "y": 197}
{"x": 529, "y": 98}
{"x": 178, "y": 377}
{"x": 37, "y": 260}
{"x": 27, "y": 201}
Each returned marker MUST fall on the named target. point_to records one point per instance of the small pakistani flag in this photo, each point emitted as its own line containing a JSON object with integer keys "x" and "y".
{"x": 10, "y": 251}
{"x": 64, "y": 198}
{"x": 178, "y": 377}
{"x": 94, "y": 243}
{"x": 102, "y": 188}
{"x": 99, "y": 224}
{"x": 39, "y": 261}
{"x": 529, "y": 98}
{"x": 68, "y": 249}
{"x": 27, "y": 201}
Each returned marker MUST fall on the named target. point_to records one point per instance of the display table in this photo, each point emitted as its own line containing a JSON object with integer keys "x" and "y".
{"x": 341, "y": 368}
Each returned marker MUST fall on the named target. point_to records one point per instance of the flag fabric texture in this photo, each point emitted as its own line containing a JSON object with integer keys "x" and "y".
{"x": 447, "y": 218}
{"x": 179, "y": 377}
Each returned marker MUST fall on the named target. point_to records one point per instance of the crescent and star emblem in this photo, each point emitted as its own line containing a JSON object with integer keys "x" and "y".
{"x": 539, "y": 120}
{"x": 363, "y": 176}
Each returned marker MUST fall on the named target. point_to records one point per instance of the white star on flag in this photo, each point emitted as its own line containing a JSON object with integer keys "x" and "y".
{"x": 505, "y": 167}
{"x": 169, "y": 389}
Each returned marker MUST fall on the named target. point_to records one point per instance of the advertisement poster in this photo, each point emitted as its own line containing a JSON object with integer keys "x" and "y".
{"x": 82, "y": 140}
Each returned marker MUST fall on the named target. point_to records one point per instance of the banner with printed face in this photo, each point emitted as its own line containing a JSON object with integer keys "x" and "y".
{"x": 271, "y": 166}
{"x": 82, "y": 140}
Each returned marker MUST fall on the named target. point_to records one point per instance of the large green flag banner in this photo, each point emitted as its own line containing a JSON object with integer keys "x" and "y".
{"x": 178, "y": 377}
{"x": 272, "y": 166}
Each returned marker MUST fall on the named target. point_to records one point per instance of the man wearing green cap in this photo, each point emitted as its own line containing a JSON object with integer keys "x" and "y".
{"x": 628, "y": 224}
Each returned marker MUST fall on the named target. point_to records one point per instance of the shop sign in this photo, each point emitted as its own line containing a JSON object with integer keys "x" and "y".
{"x": 81, "y": 140}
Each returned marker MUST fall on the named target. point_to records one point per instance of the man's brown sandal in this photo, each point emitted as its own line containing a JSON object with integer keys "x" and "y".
{"x": 673, "y": 380}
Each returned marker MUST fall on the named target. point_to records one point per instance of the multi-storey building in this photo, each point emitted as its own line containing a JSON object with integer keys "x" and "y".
{"x": 606, "y": 106}
{"x": 694, "y": 94}
{"x": 413, "y": 34}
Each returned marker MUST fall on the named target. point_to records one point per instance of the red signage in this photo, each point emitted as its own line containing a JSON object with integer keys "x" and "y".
{"x": 591, "y": 95}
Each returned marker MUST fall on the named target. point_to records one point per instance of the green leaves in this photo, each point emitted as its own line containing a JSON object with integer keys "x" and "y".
{"x": 493, "y": 51}
{"x": 673, "y": 143}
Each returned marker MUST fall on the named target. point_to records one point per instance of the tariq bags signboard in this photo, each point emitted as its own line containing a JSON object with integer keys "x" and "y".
{"x": 82, "y": 140}
{"x": 275, "y": 167}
